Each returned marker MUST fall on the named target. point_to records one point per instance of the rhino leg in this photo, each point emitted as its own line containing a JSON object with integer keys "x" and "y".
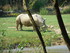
{"x": 17, "y": 24}
{"x": 21, "y": 26}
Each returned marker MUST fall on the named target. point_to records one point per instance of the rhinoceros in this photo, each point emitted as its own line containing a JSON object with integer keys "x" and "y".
{"x": 23, "y": 19}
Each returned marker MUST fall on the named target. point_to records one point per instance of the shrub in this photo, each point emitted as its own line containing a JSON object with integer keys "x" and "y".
{"x": 7, "y": 7}
{"x": 13, "y": 14}
{"x": 43, "y": 11}
{"x": 66, "y": 10}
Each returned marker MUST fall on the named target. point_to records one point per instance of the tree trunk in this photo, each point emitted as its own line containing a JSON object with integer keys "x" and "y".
{"x": 61, "y": 24}
{"x": 34, "y": 24}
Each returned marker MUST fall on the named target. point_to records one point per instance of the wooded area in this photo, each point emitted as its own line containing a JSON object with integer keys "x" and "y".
{"x": 9, "y": 5}
{"x": 35, "y": 6}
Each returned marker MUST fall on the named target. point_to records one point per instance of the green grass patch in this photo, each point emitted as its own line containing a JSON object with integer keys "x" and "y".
{"x": 10, "y": 38}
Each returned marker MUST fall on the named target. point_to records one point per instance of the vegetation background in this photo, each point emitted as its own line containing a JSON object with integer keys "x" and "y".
{"x": 11, "y": 39}
{"x": 14, "y": 7}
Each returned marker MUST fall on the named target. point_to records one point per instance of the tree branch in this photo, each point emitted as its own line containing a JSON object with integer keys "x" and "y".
{"x": 61, "y": 24}
{"x": 34, "y": 24}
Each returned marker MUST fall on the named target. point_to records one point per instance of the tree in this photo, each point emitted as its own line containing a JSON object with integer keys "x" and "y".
{"x": 38, "y": 4}
{"x": 34, "y": 5}
{"x": 61, "y": 24}
{"x": 34, "y": 25}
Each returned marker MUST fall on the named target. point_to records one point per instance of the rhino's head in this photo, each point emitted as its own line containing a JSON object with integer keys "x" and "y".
{"x": 44, "y": 26}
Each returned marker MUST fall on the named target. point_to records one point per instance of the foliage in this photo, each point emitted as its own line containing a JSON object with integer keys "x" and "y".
{"x": 43, "y": 11}
{"x": 66, "y": 10}
{"x": 34, "y": 5}
{"x": 2, "y": 41}
{"x": 38, "y": 4}
{"x": 13, "y": 14}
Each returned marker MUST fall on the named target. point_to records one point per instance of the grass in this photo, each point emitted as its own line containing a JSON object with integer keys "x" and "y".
{"x": 28, "y": 38}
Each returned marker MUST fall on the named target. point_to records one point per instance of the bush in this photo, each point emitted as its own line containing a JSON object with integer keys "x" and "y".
{"x": 66, "y": 10}
{"x": 13, "y": 14}
{"x": 43, "y": 11}
{"x": 7, "y": 7}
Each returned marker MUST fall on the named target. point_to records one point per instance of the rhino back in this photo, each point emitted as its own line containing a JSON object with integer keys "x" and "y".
{"x": 25, "y": 20}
